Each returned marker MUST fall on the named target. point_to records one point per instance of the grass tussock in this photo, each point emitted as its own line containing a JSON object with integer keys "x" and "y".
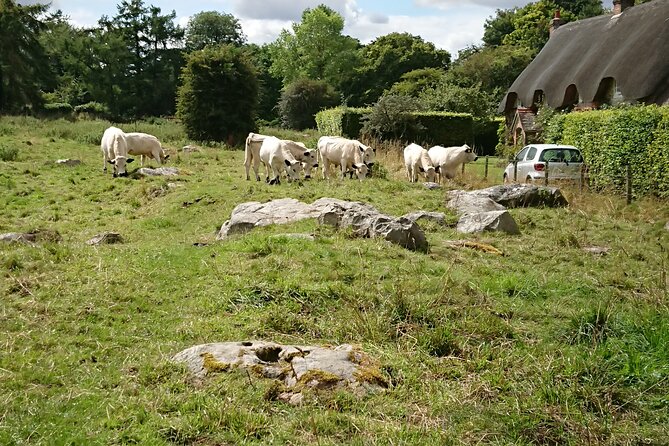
{"x": 549, "y": 343}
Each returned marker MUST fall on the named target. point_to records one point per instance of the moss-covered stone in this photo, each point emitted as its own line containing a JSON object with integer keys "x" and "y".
{"x": 212, "y": 365}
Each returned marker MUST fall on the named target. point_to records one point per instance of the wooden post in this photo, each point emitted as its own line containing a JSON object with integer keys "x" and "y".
{"x": 463, "y": 168}
{"x": 546, "y": 177}
{"x": 629, "y": 183}
{"x": 485, "y": 170}
{"x": 581, "y": 179}
{"x": 515, "y": 170}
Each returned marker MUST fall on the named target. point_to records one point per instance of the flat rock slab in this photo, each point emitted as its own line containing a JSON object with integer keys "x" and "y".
{"x": 518, "y": 195}
{"x": 31, "y": 237}
{"x": 107, "y": 238}
{"x": 297, "y": 367}
{"x": 488, "y": 221}
{"x": 436, "y": 217}
{"x": 431, "y": 186}
{"x": 365, "y": 220}
{"x": 160, "y": 171}
{"x": 68, "y": 162}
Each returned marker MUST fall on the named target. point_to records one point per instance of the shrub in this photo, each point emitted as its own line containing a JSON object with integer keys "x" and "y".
{"x": 218, "y": 98}
{"x": 302, "y": 99}
{"x": 57, "y": 110}
{"x": 341, "y": 121}
{"x": 93, "y": 110}
{"x": 8, "y": 153}
{"x": 392, "y": 118}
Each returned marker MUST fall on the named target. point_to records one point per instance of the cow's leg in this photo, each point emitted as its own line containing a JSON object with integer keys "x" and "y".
{"x": 326, "y": 168}
{"x": 256, "y": 166}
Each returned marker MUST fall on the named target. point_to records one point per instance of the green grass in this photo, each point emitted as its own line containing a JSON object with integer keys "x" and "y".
{"x": 544, "y": 345}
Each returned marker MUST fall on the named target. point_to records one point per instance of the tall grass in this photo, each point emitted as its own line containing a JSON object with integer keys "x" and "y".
{"x": 547, "y": 344}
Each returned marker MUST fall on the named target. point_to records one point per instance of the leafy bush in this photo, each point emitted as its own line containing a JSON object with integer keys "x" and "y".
{"x": 341, "y": 121}
{"x": 392, "y": 118}
{"x": 218, "y": 98}
{"x": 57, "y": 110}
{"x": 302, "y": 99}
{"x": 8, "y": 153}
{"x": 94, "y": 110}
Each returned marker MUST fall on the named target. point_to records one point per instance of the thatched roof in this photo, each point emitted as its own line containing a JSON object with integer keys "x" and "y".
{"x": 632, "y": 48}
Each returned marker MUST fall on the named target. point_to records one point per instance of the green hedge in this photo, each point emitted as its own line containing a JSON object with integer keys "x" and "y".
{"x": 611, "y": 139}
{"x": 443, "y": 128}
{"x": 341, "y": 121}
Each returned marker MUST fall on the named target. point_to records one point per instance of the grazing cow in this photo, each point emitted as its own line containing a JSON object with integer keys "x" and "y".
{"x": 148, "y": 146}
{"x": 306, "y": 156}
{"x": 275, "y": 154}
{"x": 447, "y": 160}
{"x": 115, "y": 151}
{"x": 252, "y": 153}
{"x": 416, "y": 159}
{"x": 349, "y": 154}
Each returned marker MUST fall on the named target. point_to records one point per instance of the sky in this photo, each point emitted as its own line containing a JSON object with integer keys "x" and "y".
{"x": 449, "y": 24}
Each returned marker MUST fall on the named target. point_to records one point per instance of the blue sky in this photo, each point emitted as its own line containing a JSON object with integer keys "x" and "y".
{"x": 449, "y": 24}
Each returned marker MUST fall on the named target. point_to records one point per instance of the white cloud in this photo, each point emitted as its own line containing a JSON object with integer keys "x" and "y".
{"x": 281, "y": 9}
{"x": 263, "y": 31}
{"x": 451, "y": 4}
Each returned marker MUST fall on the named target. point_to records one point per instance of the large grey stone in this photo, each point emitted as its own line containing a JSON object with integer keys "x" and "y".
{"x": 437, "y": 217}
{"x": 365, "y": 220}
{"x": 471, "y": 203}
{"x": 488, "y": 221}
{"x": 296, "y": 367}
{"x": 520, "y": 195}
{"x": 160, "y": 171}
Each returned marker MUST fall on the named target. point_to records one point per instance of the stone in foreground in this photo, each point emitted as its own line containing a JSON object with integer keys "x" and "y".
{"x": 107, "y": 238}
{"x": 296, "y": 367}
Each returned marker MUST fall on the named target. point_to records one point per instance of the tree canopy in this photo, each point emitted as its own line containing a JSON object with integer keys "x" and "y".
{"x": 213, "y": 28}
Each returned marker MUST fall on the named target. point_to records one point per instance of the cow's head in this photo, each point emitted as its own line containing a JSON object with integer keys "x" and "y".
{"x": 164, "y": 156}
{"x": 309, "y": 162}
{"x": 469, "y": 154}
{"x": 361, "y": 170}
{"x": 119, "y": 164}
{"x": 430, "y": 173}
{"x": 368, "y": 155}
{"x": 293, "y": 169}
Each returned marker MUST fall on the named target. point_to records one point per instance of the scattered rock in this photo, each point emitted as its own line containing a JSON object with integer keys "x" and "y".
{"x": 520, "y": 195}
{"x": 431, "y": 186}
{"x": 666, "y": 227}
{"x": 597, "y": 250}
{"x": 437, "y": 217}
{"x": 68, "y": 162}
{"x": 488, "y": 221}
{"x": 297, "y": 368}
{"x": 190, "y": 149}
{"x": 470, "y": 203}
{"x": 107, "y": 238}
{"x": 41, "y": 235}
{"x": 160, "y": 171}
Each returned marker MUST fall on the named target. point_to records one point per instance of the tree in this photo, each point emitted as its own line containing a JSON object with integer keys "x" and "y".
{"x": 24, "y": 67}
{"x": 213, "y": 28}
{"x": 458, "y": 99}
{"x": 391, "y": 118}
{"x": 218, "y": 97}
{"x": 386, "y": 59}
{"x": 315, "y": 49}
{"x": 269, "y": 86}
{"x": 415, "y": 82}
{"x": 302, "y": 99}
{"x": 495, "y": 28}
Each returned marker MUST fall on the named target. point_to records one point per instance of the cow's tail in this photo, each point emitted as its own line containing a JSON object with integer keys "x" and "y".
{"x": 248, "y": 155}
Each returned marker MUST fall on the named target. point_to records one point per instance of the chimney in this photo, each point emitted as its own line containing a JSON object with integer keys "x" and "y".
{"x": 555, "y": 23}
{"x": 621, "y": 5}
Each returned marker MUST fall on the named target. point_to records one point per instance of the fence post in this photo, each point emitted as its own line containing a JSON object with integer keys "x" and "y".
{"x": 515, "y": 170}
{"x": 463, "y": 168}
{"x": 629, "y": 183}
{"x": 485, "y": 170}
{"x": 546, "y": 177}
{"x": 581, "y": 178}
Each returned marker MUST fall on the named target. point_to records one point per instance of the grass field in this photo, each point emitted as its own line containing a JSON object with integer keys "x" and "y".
{"x": 545, "y": 345}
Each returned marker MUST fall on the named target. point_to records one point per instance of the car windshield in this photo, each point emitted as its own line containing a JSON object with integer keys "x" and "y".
{"x": 561, "y": 155}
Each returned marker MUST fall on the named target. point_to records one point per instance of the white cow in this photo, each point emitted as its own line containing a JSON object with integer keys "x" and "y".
{"x": 447, "y": 160}
{"x": 146, "y": 146}
{"x": 275, "y": 154}
{"x": 307, "y": 157}
{"x": 115, "y": 151}
{"x": 252, "y": 153}
{"x": 350, "y": 155}
{"x": 416, "y": 159}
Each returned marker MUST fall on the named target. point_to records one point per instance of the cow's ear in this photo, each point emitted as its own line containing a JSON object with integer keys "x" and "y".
{"x": 287, "y": 162}
{"x": 362, "y": 149}
{"x": 420, "y": 169}
{"x": 111, "y": 161}
{"x": 130, "y": 160}
{"x": 306, "y": 153}
{"x": 436, "y": 169}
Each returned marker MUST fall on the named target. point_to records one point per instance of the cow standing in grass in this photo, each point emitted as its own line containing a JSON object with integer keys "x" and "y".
{"x": 115, "y": 151}
{"x": 350, "y": 155}
{"x": 145, "y": 145}
{"x": 275, "y": 155}
{"x": 447, "y": 160}
{"x": 416, "y": 159}
{"x": 254, "y": 141}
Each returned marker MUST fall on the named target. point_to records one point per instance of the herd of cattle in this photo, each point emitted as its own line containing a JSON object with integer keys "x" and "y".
{"x": 293, "y": 158}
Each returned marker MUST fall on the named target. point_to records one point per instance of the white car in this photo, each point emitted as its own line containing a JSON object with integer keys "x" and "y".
{"x": 564, "y": 163}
